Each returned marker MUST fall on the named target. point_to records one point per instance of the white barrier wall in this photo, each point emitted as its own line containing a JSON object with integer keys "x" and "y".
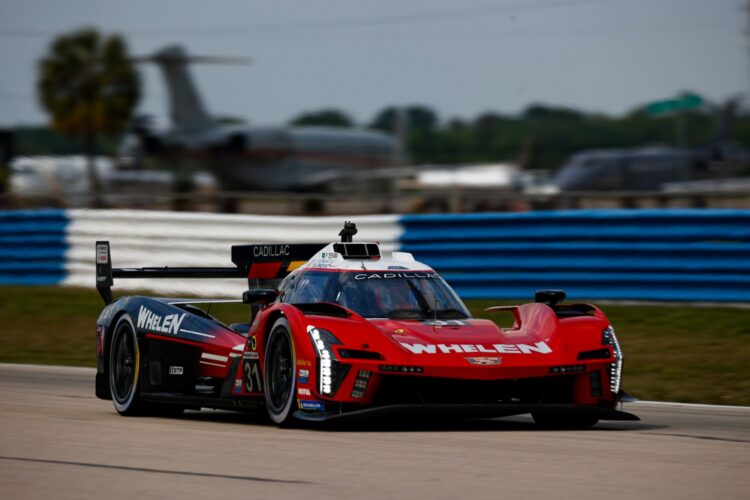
{"x": 152, "y": 239}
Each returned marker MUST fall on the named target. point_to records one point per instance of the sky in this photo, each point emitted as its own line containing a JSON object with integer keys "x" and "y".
{"x": 460, "y": 57}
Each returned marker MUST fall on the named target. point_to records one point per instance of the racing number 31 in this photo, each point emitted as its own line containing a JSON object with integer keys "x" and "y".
{"x": 252, "y": 376}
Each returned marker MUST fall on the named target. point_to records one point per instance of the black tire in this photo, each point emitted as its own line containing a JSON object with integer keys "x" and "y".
{"x": 124, "y": 368}
{"x": 124, "y": 375}
{"x": 564, "y": 420}
{"x": 280, "y": 374}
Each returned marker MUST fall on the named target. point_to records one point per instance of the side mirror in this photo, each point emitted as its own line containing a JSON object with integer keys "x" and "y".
{"x": 549, "y": 297}
{"x": 259, "y": 296}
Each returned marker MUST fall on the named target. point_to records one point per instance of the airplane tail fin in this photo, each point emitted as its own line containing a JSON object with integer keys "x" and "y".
{"x": 187, "y": 110}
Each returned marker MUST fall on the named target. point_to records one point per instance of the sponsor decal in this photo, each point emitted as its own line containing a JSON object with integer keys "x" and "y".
{"x": 390, "y": 276}
{"x": 330, "y": 255}
{"x": 539, "y": 348}
{"x": 175, "y": 370}
{"x": 324, "y": 264}
{"x": 304, "y": 362}
{"x": 101, "y": 254}
{"x": 238, "y": 385}
{"x": 485, "y": 361}
{"x": 445, "y": 322}
{"x": 250, "y": 355}
{"x": 271, "y": 250}
{"x": 400, "y": 330}
{"x": 149, "y": 320}
{"x": 304, "y": 376}
{"x": 252, "y": 343}
{"x": 303, "y": 392}
{"x": 307, "y": 404}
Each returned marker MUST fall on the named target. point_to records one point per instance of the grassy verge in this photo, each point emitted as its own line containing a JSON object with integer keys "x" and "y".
{"x": 681, "y": 353}
{"x": 675, "y": 353}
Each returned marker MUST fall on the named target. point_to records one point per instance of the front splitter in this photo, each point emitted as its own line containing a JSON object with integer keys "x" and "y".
{"x": 467, "y": 410}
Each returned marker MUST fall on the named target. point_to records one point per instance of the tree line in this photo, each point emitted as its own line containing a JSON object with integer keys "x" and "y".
{"x": 540, "y": 137}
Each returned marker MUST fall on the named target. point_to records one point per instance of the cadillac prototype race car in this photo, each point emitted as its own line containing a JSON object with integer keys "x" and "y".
{"x": 347, "y": 331}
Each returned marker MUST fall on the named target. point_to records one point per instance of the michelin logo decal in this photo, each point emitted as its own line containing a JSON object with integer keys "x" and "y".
{"x": 149, "y": 320}
{"x": 539, "y": 347}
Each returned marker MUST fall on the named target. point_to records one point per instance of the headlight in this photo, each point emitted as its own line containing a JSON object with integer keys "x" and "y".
{"x": 330, "y": 372}
{"x": 615, "y": 369}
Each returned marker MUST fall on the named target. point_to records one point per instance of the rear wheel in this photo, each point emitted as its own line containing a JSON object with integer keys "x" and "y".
{"x": 279, "y": 381}
{"x": 564, "y": 420}
{"x": 124, "y": 375}
{"x": 124, "y": 368}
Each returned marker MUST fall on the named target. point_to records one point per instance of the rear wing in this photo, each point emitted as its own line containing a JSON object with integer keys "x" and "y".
{"x": 254, "y": 262}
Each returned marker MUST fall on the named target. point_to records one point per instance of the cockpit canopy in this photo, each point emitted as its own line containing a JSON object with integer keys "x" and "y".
{"x": 396, "y": 294}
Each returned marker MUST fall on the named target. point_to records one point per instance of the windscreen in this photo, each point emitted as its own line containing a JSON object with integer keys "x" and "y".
{"x": 385, "y": 294}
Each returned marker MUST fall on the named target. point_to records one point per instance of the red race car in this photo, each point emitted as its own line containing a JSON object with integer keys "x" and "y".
{"x": 347, "y": 332}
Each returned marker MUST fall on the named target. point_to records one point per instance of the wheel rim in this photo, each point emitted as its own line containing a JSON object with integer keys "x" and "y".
{"x": 281, "y": 372}
{"x": 123, "y": 365}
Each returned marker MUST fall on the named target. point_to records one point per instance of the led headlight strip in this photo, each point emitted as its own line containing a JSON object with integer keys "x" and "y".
{"x": 322, "y": 340}
{"x": 615, "y": 369}
{"x": 324, "y": 360}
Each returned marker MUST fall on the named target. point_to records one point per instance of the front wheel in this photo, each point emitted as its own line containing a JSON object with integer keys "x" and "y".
{"x": 564, "y": 420}
{"x": 280, "y": 381}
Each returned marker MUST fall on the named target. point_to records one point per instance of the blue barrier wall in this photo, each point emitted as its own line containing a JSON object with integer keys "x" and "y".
{"x": 691, "y": 255}
{"x": 32, "y": 247}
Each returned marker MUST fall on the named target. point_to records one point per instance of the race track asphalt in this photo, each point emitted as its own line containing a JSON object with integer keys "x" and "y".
{"x": 58, "y": 441}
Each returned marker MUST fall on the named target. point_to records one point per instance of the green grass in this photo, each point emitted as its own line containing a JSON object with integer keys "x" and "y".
{"x": 681, "y": 353}
{"x": 674, "y": 353}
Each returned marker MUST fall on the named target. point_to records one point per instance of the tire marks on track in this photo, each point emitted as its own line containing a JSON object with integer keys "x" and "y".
{"x": 155, "y": 471}
{"x": 697, "y": 436}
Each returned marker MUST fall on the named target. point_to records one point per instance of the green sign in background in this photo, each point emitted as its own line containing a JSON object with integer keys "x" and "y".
{"x": 681, "y": 103}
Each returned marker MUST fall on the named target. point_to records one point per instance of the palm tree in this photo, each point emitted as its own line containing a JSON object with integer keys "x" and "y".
{"x": 89, "y": 87}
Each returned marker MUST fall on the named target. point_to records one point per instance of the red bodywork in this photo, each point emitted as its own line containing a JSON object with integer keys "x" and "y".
{"x": 553, "y": 358}
{"x": 538, "y": 342}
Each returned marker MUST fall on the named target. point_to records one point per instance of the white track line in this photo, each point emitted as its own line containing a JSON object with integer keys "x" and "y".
{"x": 690, "y": 405}
{"x": 49, "y": 368}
